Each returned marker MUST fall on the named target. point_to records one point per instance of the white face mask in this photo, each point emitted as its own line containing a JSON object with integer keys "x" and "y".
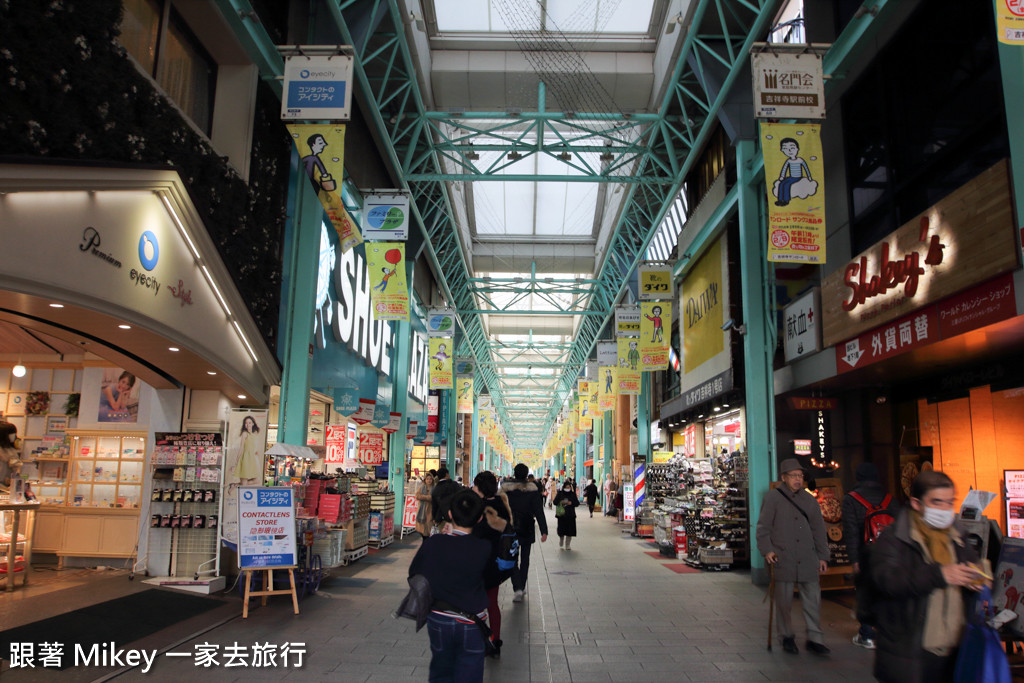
{"x": 937, "y": 519}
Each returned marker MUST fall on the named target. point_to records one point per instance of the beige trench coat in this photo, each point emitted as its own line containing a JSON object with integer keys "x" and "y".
{"x": 799, "y": 542}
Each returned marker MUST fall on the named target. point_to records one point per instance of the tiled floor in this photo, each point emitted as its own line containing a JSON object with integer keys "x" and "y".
{"x": 603, "y": 611}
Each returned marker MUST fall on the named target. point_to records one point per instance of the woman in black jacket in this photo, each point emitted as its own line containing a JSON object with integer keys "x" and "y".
{"x": 566, "y": 498}
{"x": 922, "y": 576}
{"x": 590, "y": 494}
{"x": 497, "y": 514}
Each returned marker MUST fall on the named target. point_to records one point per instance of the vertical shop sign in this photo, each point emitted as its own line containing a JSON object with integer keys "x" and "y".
{"x": 440, "y": 322}
{"x": 822, "y": 436}
{"x": 409, "y": 510}
{"x": 627, "y": 321}
{"x": 335, "y": 445}
{"x": 608, "y": 384}
{"x": 655, "y": 281}
{"x": 656, "y": 317}
{"x": 607, "y": 353}
{"x": 794, "y": 173}
{"x": 322, "y": 151}
{"x": 802, "y": 320}
{"x": 464, "y": 397}
{"x": 387, "y": 215}
{"x": 629, "y": 367}
{"x": 1010, "y": 21}
{"x": 371, "y": 447}
{"x": 389, "y": 289}
{"x": 628, "y": 508}
{"x": 702, "y": 310}
{"x": 266, "y": 527}
{"x": 440, "y": 363}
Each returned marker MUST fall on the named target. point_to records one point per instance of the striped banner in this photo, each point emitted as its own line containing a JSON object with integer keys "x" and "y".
{"x": 638, "y": 485}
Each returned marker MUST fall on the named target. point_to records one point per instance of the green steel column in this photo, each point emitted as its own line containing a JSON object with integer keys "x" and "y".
{"x": 643, "y": 417}
{"x": 581, "y": 455}
{"x": 758, "y": 343}
{"x": 453, "y": 423}
{"x": 399, "y": 404}
{"x": 596, "y": 434}
{"x": 1011, "y": 64}
{"x": 471, "y": 451}
{"x": 293, "y": 418}
{"x": 609, "y": 450}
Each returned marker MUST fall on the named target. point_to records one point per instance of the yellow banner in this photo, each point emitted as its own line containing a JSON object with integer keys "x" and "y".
{"x": 629, "y": 366}
{"x": 702, "y": 310}
{"x": 655, "y": 282}
{"x": 661, "y": 456}
{"x": 795, "y": 177}
{"x": 464, "y": 399}
{"x": 608, "y": 388}
{"x": 322, "y": 148}
{"x": 655, "y": 318}
{"x": 389, "y": 291}
{"x": 1010, "y": 21}
{"x": 440, "y": 363}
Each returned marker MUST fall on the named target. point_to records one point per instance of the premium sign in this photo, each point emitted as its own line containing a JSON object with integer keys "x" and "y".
{"x": 788, "y": 86}
{"x": 944, "y": 250}
{"x": 802, "y": 319}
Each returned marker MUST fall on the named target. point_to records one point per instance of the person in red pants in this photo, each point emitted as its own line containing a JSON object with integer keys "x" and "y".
{"x": 497, "y": 514}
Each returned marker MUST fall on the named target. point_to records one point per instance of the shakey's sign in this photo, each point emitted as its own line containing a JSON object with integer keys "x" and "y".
{"x": 963, "y": 240}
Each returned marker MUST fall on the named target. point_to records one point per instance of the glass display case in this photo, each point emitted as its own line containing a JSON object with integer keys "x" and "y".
{"x": 106, "y": 470}
{"x": 45, "y": 470}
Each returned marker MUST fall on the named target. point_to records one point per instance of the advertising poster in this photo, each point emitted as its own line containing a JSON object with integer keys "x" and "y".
{"x": 655, "y": 281}
{"x": 389, "y": 291}
{"x": 367, "y": 407}
{"x": 1014, "y": 480}
{"x": 464, "y": 398}
{"x": 440, "y": 363}
{"x": 607, "y": 353}
{"x": 440, "y": 322}
{"x": 335, "y": 444}
{"x": 629, "y": 366}
{"x": 246, "y": 442}
{"x": 1010, "y": 21}
{"x": 266, "y": 527}
{"x": 595, "y": 390}
{"x": 317, "y": 87}
{"x": 409, "y": 510}
{"x": 788, "y": 86}
{"x": 119, "y": 397}
{"x": 371, "y": 446}
{"x": 586, "y": 408}
{"x": 322, "y": 150}
{"x": 387, "y": 216}
{"x": 608, "y": 388}
{"x": 702, "y": 310}
{"x": 794, "y": 175}
{"x": 656, "y": 317}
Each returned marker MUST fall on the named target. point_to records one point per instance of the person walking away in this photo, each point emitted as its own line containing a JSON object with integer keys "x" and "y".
{"x": 867, "y": 510}
{"x": 454, "y": 564}
{"x": 444, "y": 487}
{"x": 425, "y": 514}
{"x": 922, "y": 573}
{"x": 544, "y": 490}
{"x": 566, "y": 500}
{"x": 590, "y": 494}
{"x": 791, "y": 536}
{"x": 526, "y": 504}
{"x": 497, "y": 514}
{"x": 552, "y": 491}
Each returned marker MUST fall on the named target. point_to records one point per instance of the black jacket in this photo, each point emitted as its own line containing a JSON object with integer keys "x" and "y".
{"x": 454, "y": 566}
{"x": 527, "y": 505}
{"x": 901, "y": 581}
{"x": 439, "y": 499}
{"x": 590, "y": 493}
{"x": 490, "y": 527}
{"x": 854, "y": 514}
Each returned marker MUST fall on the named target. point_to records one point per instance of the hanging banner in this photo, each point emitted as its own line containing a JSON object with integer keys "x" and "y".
{"x": 795, "y": 177}
{"x": 586, "y": 407}
{"x": 627, "y": 321}
{"x": 608, "y": 388}
{"x": 1010, "y": 21}
{"x": 389, "y": 294}
{"x": 440, "y": 322}
{"x": 440, "y": 363}
{"x": 365, "y": 412}
{"x": 317, "y": 88}
{"x": 433, "y": 411}
{"x": 266, "y": 527}
{"x": 656, "y": 318}
{"x": 387, "y": 216}
{"x": 629, "y": 367}
{"x": 322, "y": 149}
{"x": 411, "y": 433}
{"x": 656, "y": 281}
{"x": 607, "y": 353}
{"x": 464, "y": 400}
{"x": 394, "y": 423}
{"x": 788, "y": 86}
{"x": 371, "y": 446}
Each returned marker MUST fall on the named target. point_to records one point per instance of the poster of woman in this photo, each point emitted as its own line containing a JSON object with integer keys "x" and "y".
{"x": 119, "y": 396}
{"x": 246, "y": 445}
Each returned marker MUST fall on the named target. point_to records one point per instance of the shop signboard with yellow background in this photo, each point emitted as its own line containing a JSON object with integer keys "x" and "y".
{"x": 702, "y": 310}
{"x": 322, "y": 151}
{"x": 608, "y": 387}
{"x": 629, "y": 366}
{"x": 586, "y": 408}
{"x": 464, "y": 396}
{"x": 389, "y": 291}
{"x": 655, "y": 318}
{"x": 795, "y": 179}
{"x": 440, "y": 363}
{"x": 1010, "y": 21}
{"x": 655, "y": 281}
{"x": 595, "y": 410}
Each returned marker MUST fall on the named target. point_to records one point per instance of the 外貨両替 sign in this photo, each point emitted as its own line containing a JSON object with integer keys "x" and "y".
{"x": 386, "y": 216}
{"x": 317, "y": 88}
{"x": 266, "y": 527}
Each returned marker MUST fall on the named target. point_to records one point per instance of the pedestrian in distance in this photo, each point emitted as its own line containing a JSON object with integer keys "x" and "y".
{"x": 608, "y": 504}
{"x": 590, "y": 494}
{"x": 497, "y": 514}
{"x": 566, "y": 503}
{"x": 425, "y": 514}
{"x": 791, "y": 535}
{"x": 867, "y": 510}
{"x": 527, "y": 513}
{"x": 453, "y": 564}
{"x": 444, "y": 487}
{"x": 922, "y": 576}
{"x": 552, "y": 491}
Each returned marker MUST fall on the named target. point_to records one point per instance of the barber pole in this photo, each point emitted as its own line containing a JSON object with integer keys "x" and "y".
{"x": 638, "y": 485}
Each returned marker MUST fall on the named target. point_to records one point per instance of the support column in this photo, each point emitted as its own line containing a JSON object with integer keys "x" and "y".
{"x": 1011, "y": 64}
{"x": 757, "y": 276}
{"x": 609, "y": 448}
{"x": 581, "y": 456}
{"x": 451, "y": 436}
{"x": 643, "y": 418}
{"x": 473, "y": 446}
{"x": 399, "y": 404}
{"x": 297, "y": 302}
{"x": 622, "y": 432}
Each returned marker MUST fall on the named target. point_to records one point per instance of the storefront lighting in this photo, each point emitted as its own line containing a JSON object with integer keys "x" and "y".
{"x": 700, "y": 416}
{"x": 173, "y": 348}
{"x": 210, "y": 372}
{"x": 19, "y": 370}
{"x": 718, "y": 409}
{"x": 242, "y": 396}
{"x": 56, "y": 305}
{"x": 177, "y": 223}
{"x": 125, "y": 327}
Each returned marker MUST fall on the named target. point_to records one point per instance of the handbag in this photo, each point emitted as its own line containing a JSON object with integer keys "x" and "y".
{"x": 559, "y": 510}
{"x": 982, "y": 658}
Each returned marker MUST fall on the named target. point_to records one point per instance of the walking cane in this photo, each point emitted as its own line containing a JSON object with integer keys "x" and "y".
{"x": 771, "y": 603}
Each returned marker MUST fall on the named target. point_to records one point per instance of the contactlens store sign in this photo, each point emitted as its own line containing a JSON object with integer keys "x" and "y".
{"x": 965, "y": 239}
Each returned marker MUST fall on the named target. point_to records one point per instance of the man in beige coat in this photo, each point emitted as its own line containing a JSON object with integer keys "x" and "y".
{"x": 791, "y": 536}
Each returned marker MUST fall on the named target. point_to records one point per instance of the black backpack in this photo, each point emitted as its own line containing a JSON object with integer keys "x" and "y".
{"x": 508, "y": 551}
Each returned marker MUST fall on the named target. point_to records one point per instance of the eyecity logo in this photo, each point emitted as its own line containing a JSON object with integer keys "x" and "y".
{"x": 149, "y": 250}
{"x": 306, "y": 73}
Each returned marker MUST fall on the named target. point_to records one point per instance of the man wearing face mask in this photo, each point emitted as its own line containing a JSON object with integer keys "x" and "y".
{"x": 923, "y": 574}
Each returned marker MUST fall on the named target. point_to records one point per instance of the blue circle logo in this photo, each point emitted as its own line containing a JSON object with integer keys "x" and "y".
{"x": 247, "y": 495}
{"x": 304, "y": 73}
{"x": 149, "y": 250}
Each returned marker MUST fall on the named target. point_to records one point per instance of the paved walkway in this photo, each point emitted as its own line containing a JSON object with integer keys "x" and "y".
{"x": 604, "y": 611}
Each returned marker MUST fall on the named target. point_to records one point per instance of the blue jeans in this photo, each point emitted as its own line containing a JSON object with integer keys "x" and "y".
{"x": 457, "y": 649}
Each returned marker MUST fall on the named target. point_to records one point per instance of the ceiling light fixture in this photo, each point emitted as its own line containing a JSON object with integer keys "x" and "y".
{"x": 125, "y": 327}
{"x": 173, "y": 348}
{"x": 210, "y": 372}
{"x": 242, "y": 396}
{"x": 565, "y": 156}
{"x": 19, "y": 370}
{"x": 56, "y": 305}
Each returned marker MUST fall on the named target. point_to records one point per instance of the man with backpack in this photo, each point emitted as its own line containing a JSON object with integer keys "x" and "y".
{"x": 867, "y": 510}
{"x": 527, "y": 506}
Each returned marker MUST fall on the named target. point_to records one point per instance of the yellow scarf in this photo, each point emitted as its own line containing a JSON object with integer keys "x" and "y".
{"x": 938, "y": 541}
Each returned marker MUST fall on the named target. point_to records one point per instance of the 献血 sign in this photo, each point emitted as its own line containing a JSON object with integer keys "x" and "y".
{"x": 266, "y": 527}
{"x": 802, "y": 325}
{"x": 317, "y": 87}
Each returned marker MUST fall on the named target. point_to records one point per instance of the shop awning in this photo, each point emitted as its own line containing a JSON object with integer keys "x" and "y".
{"x": 294, "y": 451}
{"x": 588, "y": 463}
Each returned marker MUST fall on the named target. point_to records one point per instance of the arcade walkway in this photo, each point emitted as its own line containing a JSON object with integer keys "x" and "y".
{"x": 603, "y": 611}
